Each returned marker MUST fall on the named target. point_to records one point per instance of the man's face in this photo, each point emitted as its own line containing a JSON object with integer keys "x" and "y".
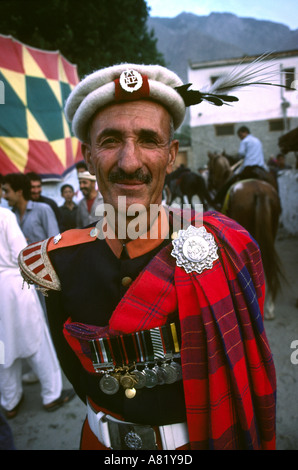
{"x": 67, "y": 194}
{"x": 86, "y": 186}
{"x": 242, "y": 135}
{"x": 10, "y": 195}
{"x": 35, "y": 190}
{"x": 130, "y": 152}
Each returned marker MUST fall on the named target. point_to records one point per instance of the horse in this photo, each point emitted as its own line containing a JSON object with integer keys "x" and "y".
{"x": 185, "y": 184}
{"x": 221, "y": 169}
{"x": 255, "y": 205}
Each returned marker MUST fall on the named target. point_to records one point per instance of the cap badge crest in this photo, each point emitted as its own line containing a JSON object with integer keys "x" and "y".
{"x": 194, "y": 249}
{"x": 131, "y": 80}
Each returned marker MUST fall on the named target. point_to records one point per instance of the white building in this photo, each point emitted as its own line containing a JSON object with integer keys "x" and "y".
{"x": 268, "y": 111}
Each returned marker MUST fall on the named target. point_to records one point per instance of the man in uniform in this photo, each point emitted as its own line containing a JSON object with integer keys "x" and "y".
{"x": 158, "y": 327}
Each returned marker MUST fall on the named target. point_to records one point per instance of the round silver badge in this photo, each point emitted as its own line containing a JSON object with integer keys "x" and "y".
{"x": 130, "y": 80}
{"x": 194, "y": 249}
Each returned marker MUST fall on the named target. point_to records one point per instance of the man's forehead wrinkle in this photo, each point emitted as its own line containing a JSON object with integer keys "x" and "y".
{"x": 139, "y": 132}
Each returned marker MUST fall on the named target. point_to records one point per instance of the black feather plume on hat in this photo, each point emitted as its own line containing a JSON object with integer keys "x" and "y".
{"x": 191, "y": 97}
{"x": 256, "y": 73}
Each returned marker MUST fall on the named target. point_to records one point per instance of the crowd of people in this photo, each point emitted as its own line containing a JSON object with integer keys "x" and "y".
{"x": 26, "y": 217}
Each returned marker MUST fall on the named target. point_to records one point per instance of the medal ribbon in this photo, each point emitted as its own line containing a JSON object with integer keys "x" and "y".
{"x": 159, "y": 343}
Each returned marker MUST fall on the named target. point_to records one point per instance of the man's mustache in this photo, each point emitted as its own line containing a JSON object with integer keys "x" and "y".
{"x": 119, "y": 175}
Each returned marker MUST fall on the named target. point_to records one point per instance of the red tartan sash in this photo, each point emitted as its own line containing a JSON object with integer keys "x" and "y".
{"x": 228, "y": 371}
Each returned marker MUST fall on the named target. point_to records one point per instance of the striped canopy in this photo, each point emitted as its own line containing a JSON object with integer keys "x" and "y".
{"x": 34, "y": 133}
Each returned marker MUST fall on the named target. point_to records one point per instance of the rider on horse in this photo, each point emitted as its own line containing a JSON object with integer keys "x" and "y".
{"x": 253, "y": 165}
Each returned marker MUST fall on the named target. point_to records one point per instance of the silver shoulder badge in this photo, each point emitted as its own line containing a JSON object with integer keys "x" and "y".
{"x": 194, "y": 249}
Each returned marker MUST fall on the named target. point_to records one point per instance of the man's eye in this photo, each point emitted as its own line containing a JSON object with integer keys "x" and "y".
{"x": 149, "y": 142}
{"x": 108, "y": 141}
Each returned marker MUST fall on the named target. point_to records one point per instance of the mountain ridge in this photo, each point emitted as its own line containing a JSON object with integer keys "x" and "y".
{"x": 197, "y": 38}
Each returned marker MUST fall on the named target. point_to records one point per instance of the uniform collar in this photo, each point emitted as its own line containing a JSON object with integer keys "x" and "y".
{"x": 157, "y": 233}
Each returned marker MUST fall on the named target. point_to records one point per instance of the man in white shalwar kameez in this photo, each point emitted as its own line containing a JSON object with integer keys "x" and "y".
{"x": 23, "y": 330}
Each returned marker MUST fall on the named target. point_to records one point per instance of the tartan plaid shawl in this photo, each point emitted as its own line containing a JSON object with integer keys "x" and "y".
{"x": 228, "y": 371}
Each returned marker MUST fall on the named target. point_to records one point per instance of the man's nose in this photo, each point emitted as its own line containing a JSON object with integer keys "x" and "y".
{"x": 129, "y": 158}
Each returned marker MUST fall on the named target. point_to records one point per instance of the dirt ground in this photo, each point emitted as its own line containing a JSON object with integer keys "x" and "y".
{"x": 35, "y": 429}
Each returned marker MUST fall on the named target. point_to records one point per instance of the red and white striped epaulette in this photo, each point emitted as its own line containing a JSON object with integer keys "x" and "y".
{"x": 35, "y": 264}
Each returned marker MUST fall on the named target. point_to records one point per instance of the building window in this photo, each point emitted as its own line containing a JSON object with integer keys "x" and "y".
{"x": 277, "y": 125}
{"x": 224, "y": 129}
{"x": 289, "y": 75}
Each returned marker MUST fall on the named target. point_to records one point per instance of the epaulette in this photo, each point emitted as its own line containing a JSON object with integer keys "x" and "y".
{"x": 35, "y": 264}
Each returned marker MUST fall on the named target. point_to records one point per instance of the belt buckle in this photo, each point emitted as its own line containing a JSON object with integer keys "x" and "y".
{"x": 130, "y": 436}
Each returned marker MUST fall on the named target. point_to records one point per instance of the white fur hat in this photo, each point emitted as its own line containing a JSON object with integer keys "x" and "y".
{"x": 124, "y": 82}
{"x": 85, "y": 175}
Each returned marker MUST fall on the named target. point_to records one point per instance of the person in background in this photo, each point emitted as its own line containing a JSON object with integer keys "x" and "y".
{"x": 250, "y": 149}
{"x": 37, "y": 196}
{"x": 3, "y": 202}
{"x": 80, "y": 167}
{"x": 24, "y": 332}
{"x": 281, "y": 162}
{"x": 36, "y": 219}
{"x": 253, "y": 165}
{"x": 68, "y": 211}
{"x": 92, "y": 198}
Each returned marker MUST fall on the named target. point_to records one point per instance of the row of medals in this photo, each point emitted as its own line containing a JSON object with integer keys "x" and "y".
{"x": 133, "y": 378}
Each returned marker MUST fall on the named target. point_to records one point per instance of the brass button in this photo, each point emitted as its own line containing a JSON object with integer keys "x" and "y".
{"x": 126, "y": 281}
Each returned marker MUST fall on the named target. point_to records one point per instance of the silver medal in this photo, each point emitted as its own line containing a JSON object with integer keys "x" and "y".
{"x": 161, "y": 375}
{"x": 178, "y": 369}
{"x": 109, "y": 385}
{"x": 170, "y": 374}
{"x": 151, "y": 377}
{"x": 140, "y": 377}
{"x": 194, "y": 249}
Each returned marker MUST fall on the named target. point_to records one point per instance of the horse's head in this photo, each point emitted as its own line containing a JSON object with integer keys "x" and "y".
{"x": 219, "y": 170}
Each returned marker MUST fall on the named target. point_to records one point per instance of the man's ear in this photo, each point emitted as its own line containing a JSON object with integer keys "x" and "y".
{"x": 86, "y": 151}
{"x": 174, "y": 147}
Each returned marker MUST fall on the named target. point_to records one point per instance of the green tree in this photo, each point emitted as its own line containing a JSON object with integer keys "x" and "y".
{"x": 90, "y": 33}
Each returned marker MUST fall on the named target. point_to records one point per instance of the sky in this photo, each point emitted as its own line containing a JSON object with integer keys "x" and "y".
{"x": 285, "y": 12}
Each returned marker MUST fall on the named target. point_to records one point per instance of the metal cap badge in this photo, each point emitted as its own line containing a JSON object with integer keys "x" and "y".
{"x": 194, "y": 249}
{"x": 131, "y": 80}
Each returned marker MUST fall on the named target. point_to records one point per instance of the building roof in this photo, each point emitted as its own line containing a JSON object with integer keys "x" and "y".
{"x": 245, "y": 59}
